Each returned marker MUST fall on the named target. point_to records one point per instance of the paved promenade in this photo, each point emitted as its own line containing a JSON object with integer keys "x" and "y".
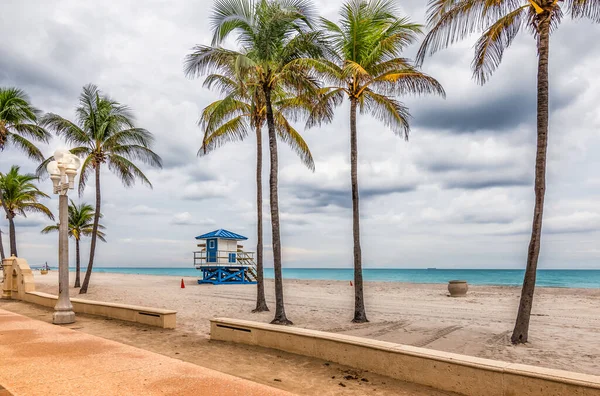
{"x": 38, "y": 358}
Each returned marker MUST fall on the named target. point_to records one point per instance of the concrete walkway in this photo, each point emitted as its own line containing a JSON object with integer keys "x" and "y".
{"x": 38, "y": 358}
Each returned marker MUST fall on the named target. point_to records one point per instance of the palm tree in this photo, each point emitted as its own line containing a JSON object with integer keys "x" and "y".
{"x": 2, "y": 256}
{"x": 19, "y": 195}
{"x": 232, "y": 118}
{"x": 80, "y": 224}
{"x": 499, "y": 22}
{"x": 272, "y": 34}
{"x": 104, "y": 134}
{"x": 366, "y": 67}
{"x": 18, "y": 123}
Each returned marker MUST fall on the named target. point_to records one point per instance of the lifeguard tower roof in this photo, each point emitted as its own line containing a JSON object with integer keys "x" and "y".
{"x": 222, "y": 234}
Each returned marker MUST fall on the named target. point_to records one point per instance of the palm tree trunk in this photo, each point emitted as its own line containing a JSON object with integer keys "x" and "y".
{"x": 261, "y": 303}
{"x": 2, "y": 256}
{"x": 280, "y": 317}
{"x": 88, "y": 272}
{"x": 77, "y": 263}
{"x": 521, "y": 329}
{"x": 360, "y": 315}
{"x": 13, "y": 235}
{"x": 11, "y": 231}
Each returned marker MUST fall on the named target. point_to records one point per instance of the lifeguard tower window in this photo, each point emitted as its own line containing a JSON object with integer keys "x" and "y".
{"x": 232, "y": 257}
{"x": 211, "y": 244}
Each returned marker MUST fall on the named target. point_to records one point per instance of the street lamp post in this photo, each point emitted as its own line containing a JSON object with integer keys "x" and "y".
{"x": 62, "y": 173}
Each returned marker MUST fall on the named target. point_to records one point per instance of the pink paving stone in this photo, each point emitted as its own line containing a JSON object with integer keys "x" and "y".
{"x": 37, "y": 358}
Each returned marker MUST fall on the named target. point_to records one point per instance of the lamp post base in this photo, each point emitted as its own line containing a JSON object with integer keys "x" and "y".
{"x": 63, "y": 317}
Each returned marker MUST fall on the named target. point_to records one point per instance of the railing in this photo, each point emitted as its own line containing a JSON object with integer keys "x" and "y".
{"x": 222, "y": 258}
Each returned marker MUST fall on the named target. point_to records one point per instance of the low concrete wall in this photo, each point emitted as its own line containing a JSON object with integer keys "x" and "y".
{"x": 445, "y": 371}
{"x": 18, "y": 284}
{"x": 151, "y": 316}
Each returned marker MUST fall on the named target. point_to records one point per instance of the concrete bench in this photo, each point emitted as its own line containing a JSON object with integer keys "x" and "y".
{"x": 150, "y": 316}
{"x": 445, "y": 371}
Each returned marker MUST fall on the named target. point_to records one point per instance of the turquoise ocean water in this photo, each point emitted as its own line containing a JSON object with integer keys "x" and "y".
{"x": 546, "y": 278}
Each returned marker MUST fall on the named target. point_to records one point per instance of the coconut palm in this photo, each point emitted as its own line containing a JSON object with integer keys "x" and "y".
{"x": 104, "y": 134}
{"x": 366, "y": 67}
{"x": 81, "y": 223}
{"x": 272, "y": 34}
{"x": 241, "y": 112}
{"x": 19, "y": 195}
{"x": 18, "y": 123}
{"x": 2, "y": 256}
{"x": 499, "y": 22}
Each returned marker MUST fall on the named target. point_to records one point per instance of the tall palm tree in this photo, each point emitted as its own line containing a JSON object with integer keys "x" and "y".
{"x": 233, "y": 118}
{"x": 20, "y": 195}
{"x": 18, "y": 123}
{"x": 272, "y": 34}
{"x": 104, "y": 134}
{"x": 2, "y": 256}
{"x": 81, "y": 223}
{"x": 365, "y": 66}
{"x": 499, "y": 22}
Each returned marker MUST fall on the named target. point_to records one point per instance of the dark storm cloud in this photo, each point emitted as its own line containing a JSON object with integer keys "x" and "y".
{"x": 488, "y": 218}
{"x": 499, "y": 112}
{"x": 468, "y": 182}
{"x": 15, "y": 71}
{"x": 315, "y": 199}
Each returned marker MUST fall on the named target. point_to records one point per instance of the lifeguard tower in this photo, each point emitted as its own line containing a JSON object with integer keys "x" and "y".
{"x": 222, "y": 260}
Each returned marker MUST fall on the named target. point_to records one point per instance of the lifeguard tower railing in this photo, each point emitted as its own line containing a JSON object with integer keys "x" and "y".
{"x": 204, "y": 259}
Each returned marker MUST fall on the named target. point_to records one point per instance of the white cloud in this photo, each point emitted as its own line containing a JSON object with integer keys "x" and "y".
{"x": 143, "y": 210}
{"x": 186, "y": 218}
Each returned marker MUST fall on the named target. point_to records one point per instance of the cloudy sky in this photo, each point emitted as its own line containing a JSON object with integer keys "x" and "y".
{"x": 459, "y": 194}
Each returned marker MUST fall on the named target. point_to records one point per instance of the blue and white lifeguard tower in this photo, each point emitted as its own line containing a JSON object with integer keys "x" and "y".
{"x": 222, "y": 260}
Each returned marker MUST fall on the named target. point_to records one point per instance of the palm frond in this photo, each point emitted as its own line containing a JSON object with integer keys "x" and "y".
{"x": 49, "y": 229}
{"x": 84, "y": 173}
{"x": 32, "y": 131}
{"x": 138, "y": 152}
{"x": 20, "y": 195}
{"x": 408, "y": 81}
{"x": 205, "y": 59}
{"x": 137, "y": 136}
{"x": 71, "y": 133}
{"x": 37, "y": 207}
{"x": 292, "y": 138}
{"x": 589, "y": 9}
{"x": 233, "y": 130}
{"x": 126, "y": 171}
{"x": 491, "y": 45}
{"x": 26, "y": 146}
{"x": 453, "y": 20}
{"x": 387, "y": 109}
{"x": 224, "y": 110}
{"x": 232, "y": 15}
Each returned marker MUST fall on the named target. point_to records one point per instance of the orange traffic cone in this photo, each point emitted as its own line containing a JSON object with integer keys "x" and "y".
{"x": 350, "y": 283}
{"x": 182, "y": 284}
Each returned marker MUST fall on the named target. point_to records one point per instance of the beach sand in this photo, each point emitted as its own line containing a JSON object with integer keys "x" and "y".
{"x": 564, "y": 327}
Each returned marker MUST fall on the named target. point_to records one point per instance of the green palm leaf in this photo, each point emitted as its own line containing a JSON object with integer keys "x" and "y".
{"x": 18, "y": 123}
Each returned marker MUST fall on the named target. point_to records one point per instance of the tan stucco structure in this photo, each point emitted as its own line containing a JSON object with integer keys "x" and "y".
{"x": 19, "y": 285}
{"x": 441, "y": 370}
{"x": 18, "y": 278}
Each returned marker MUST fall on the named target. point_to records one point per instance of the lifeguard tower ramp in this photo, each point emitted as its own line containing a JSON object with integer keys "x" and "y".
{"x": 223, "y": 261}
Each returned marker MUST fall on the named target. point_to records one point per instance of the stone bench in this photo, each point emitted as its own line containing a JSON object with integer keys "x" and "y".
{"x": 445, "y": 371}
{"x": 132, "y": 313}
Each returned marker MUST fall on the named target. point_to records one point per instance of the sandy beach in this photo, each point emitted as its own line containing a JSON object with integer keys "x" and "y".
{"x": 563, "y": 334}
